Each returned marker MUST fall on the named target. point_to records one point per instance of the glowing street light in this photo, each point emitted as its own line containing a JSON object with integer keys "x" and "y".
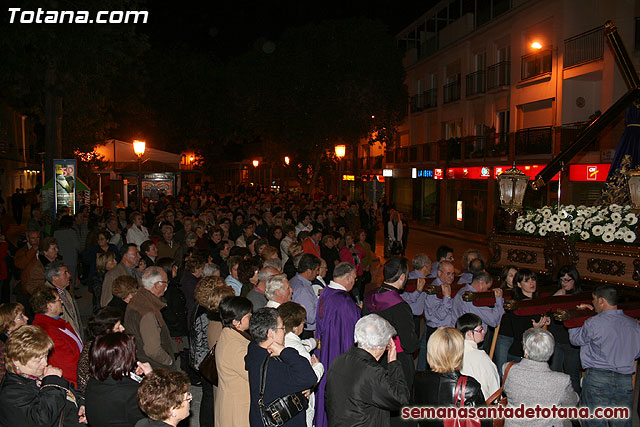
{"x": 536, "y": 45}
{"x": 255, "y": 163}
{"x": 287, "y": 160}
{"x": 139, "y": 148}
{"x": 340, "y": 151}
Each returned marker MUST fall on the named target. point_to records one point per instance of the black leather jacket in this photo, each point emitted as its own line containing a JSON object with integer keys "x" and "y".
{"x": 434, "y": 389}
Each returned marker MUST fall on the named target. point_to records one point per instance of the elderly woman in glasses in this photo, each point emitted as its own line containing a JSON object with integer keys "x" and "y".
{"x": 531, "y": 382}
{"x": 164, "y": 396}
{"x": 359, "y": 389}
{"x": 34, "y": 393}
{"x": 47, "y": 305}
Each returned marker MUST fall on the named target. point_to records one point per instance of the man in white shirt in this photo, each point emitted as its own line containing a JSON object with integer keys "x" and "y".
{"x": 476, "y": 362}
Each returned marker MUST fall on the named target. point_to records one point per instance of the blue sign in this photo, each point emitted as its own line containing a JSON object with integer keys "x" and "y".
{"x": 425, "y": 173}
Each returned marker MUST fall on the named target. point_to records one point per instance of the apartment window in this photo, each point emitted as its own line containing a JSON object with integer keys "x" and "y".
{"x": 451, "y": 90}
{"x": 536, "y": 64}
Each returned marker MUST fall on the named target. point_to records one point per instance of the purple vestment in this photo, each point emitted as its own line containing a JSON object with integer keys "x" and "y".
{"x": 336, "y": 319}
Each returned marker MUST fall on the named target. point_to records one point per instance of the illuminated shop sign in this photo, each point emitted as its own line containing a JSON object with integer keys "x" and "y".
{"x": 589, "y": 173}
{"x": 438, "y": 174}
{"x": 425, "y": 173}
{"x": 348, "y": 177}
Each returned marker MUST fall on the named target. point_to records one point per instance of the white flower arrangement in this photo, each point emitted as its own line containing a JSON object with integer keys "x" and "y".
{"x": 606, "y": 224}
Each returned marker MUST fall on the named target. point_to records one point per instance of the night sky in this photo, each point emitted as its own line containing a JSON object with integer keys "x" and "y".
{"x": 231, "y": 28}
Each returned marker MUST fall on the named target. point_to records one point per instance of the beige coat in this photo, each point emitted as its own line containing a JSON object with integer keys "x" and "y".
{"x": 232, "y": 400}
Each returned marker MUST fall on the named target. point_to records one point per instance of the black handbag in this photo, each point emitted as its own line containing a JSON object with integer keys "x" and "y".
{"x": 282, "y": 409}
{"x": 208, "y": 368}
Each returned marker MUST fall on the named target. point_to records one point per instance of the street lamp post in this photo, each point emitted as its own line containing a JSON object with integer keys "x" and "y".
{"x": 255, "y": 164}
{"x": 340, "y": 152}
{"x": 139, "y": 148}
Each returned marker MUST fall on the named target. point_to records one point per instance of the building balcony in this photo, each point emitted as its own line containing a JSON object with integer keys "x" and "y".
{"x": 494, "y": 145}
{"x": 371, "y": 162}
{"x": 534, "y": 141}
{"x": 430, "y": 98}
{"x": 499, "y": 75}
{"x": 568, "y": 133}
{"x": 583, "y": 48}
{"x": 536, "y": 64}
{"x": 450, "y": 149}
{"x": 476, "y": 83}
{"x": 451, "y": 92}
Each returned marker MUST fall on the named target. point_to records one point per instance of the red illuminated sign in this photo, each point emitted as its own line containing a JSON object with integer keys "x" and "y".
{"x": 589, "y": 173}
{"x": 484, "y": 172}
{"x": 438, "y": 174}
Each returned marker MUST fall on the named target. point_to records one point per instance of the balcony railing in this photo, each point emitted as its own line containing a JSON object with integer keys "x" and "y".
{"x": 499, "y": 75}
{"x": 431, "y": 98}
{"x": 451, "y": 149}
{"x": 486, "y": 146}
{"x": 451, "y": 92}
{"x": 536, "y": 140}
{"x": 585, "y": 47}
{"x": 536, "y": 64}
{"x": 476, "y": 83}
{"x": 566, "y": 134}
{"x": 416, "y": 103}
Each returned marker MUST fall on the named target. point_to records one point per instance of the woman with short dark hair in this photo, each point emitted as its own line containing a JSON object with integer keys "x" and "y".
{"x": 232, "y": 398}
{"x": 525, "y": 287}
{"x": 115, "y": 378}
{"x": 566, "y": 357}
{"x": 107, "y": 320}
{"x": 164, "y": 396}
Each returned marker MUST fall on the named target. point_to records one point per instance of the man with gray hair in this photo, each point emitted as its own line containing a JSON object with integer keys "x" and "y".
{"x": 144, "y": 321}
{"x": 361, "y": 391}
{"x": 336, "y": 319}
{"x": 278, "y": 291}
{"x": 210, "y": 269}
{"x": 57, "y": 276}
{"x": 531, "y": 382}
{"x": 257, "y": 294}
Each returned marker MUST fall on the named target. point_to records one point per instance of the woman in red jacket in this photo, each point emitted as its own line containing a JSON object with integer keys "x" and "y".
{"x": 67, "y": 344}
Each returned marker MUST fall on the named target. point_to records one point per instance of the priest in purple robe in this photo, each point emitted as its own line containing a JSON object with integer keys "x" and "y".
{"x": 336, "y": 319}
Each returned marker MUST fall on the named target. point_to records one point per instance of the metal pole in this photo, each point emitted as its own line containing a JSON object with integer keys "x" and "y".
{"x": 339, "y": 181}
{"x": 139, "y": 183}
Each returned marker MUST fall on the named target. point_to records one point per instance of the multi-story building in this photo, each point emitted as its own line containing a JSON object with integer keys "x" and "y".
{"x": 496, "y": 82}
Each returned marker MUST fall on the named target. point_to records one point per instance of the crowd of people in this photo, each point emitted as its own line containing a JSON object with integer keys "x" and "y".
{"x": 275, "y": 292}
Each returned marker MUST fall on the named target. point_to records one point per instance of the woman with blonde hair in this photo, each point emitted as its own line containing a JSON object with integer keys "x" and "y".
{"x": 439, "y": 387}
{"x": 34, "y": 393}
{"x": 11, "y": 318}
{"x": 137, "y": 233}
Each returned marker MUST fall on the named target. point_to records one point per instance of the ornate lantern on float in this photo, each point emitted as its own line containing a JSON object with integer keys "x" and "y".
{"x": 512, "y": 184}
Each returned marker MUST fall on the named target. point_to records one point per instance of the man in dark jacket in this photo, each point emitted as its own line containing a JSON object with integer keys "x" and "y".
{"x": 360, "y": 391}
{"x": 287, "y": 371}
{"x": 386, "y": 302}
